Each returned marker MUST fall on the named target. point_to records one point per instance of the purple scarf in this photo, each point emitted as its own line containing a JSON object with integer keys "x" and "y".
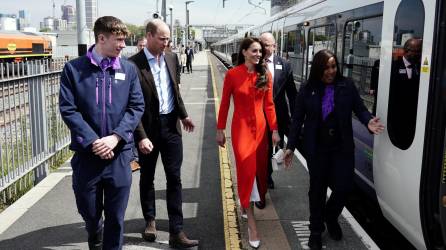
{"x": 327, "y": 101}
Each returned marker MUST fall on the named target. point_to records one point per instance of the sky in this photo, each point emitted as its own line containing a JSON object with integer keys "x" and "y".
{"x": 138, "y": 11}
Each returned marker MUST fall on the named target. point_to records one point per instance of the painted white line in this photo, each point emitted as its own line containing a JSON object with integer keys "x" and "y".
{"x": 22, "y": 205}
{"x": 362, "y": 234}
{"x": 198, "y": 103}
{"x": 199, "y": 88}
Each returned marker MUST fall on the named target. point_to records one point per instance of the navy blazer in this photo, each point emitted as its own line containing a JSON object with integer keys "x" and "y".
{"x": 283, "y": 89}
{"x": 308, "y": 112}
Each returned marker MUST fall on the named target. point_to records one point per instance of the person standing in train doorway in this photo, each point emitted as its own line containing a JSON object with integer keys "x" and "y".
{"x": 324, "y": 107}
{"x": 159, "y": 132}
{"x": 284, "y": 95}
{"x": 101, "y": 102}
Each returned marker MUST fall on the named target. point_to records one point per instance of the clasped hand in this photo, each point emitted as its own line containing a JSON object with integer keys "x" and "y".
{"x": 104, "y": 146}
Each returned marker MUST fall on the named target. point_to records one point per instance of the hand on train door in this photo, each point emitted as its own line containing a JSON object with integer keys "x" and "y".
{"x": 375, "y": 126}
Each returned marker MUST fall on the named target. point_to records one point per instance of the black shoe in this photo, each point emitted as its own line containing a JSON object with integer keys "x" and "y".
{"x": 260, "y": 204}
{"x": 95, "y": 241}
{"x": 181, "y": 241}
{"x": 150, "y": 233}
{"x": 334, "y": 230}
{"x": 315, "y": 241}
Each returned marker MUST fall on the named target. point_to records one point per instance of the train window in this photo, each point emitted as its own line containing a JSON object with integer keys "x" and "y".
{"x": 405, "y": 73}
{"x": 320, "y": 38}
{"x": 362, "y": 46}
{"x": 295, "y": 45}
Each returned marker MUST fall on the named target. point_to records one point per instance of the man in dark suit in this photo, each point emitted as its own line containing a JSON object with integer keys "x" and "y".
{"x": 190, "y": 58}
{"x": 403, "y": 94}
{"x": 159, "y": 131}
{"x": 284, "y": 95}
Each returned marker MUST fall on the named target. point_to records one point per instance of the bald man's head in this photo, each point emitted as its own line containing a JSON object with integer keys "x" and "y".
{"x": 269, "y": 42}
{"x": 157, "y": 34}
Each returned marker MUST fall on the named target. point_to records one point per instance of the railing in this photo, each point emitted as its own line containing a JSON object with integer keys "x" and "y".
{"x": 32, "y": 132}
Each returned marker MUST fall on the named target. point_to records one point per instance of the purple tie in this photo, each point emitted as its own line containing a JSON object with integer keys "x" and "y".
{"x": 104, "y": 64}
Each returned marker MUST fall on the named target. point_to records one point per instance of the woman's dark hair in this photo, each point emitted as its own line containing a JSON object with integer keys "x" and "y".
{"x": 260, "y": 68}
{"x": 319, "y": 64}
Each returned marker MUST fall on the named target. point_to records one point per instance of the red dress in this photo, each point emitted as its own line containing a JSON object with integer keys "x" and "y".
{"x": 248, "y": 130}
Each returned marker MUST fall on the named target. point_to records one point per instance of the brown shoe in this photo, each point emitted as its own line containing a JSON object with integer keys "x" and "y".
{"x": 181, "y": 241}
{"x": 134, "y": 166}
{"x": 149, "y": 233}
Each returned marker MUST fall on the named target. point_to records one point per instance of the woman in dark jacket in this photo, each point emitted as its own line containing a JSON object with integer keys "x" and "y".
{"x": 324, "y": 108}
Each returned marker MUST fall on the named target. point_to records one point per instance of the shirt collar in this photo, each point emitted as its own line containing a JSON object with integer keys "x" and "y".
{"x": 271, "y": 58}
{"x": 96, "y": 58}
{"x": 406, "y": 62}
{"x": 150, "y": 56}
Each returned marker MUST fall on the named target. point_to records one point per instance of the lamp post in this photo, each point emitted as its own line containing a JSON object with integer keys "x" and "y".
{"x": 187, "y": 23}
{"x": 171, "y": 25}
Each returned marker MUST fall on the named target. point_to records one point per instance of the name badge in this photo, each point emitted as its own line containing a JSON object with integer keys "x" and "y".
{"x": 279, "y": 66}
{"x": 403, "y": 71}
{"x": 120, "y": 76}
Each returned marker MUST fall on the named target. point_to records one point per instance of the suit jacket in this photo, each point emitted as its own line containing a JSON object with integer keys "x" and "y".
{"x": 283, "y": 88}
{"x": 308, "y": 112}
{"x": 149, "y": 126}
{"x": 403, "y": 102}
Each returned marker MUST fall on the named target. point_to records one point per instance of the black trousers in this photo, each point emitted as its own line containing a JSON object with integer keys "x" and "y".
{"x": 170, "y": 146}
{"x": 332, "y": 169}
{"x": 270, "y": 153}
{"x": 189, "y": 66}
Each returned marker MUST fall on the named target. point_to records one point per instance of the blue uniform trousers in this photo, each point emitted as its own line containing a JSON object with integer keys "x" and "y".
{"x": 103, "y": 186}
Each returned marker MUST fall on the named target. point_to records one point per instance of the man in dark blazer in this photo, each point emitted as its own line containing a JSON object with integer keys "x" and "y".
{"x": 284, "y": 95}
{"x": 190, "y": 57}
{"x": 403, "y": 94}
{"x": 159, "y": 131}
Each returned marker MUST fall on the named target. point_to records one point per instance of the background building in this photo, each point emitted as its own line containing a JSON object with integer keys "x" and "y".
{"x": 8, "y": 22}
{"x": 69, "y": 14}
{"x": 91, "y": 12}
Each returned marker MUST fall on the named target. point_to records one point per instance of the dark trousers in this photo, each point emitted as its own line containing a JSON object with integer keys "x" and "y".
{"x": 332, "y": 169}
{"x": 103, "y": 186}
{"x": 189, "y": 66}
{"x": 170, "y": 146}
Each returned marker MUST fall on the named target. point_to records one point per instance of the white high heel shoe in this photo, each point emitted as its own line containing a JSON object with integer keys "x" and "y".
{"x": 253, "y": 243}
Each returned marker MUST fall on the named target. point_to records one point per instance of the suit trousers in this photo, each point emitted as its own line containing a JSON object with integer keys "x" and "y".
{"x": 103, "y": 186}
{"x": 332, "y": 169}
{"x": 170, "y": 146}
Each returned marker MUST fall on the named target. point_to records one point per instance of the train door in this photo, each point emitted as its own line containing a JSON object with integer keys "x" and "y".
{"x": 402, "y": 105}
{"x": 294, "y": 48}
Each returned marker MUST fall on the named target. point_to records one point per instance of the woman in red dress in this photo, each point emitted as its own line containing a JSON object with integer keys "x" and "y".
{"x": 250, "y": 85}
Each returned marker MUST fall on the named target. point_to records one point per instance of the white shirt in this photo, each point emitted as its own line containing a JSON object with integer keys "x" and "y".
{"x": 162, "y": 82}
{"x": 270, "y": 63}
{"x": 408, "y": 69}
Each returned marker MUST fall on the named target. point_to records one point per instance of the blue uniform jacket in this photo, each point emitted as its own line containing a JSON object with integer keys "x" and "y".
{"x": 95, "y": 103}
{"x": 308, "y": 112}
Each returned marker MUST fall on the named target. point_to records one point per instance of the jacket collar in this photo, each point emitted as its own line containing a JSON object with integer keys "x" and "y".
{"x": 114, "y": 61}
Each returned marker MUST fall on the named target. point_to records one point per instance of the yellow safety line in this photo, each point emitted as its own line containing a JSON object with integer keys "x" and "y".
{"x": 231, "y": 230}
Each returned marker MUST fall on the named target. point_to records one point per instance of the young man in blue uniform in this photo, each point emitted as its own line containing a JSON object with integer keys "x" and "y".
{"x": 101, "y": 102}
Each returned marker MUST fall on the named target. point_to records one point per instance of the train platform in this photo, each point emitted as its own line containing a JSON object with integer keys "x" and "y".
{"x": 46, "y": 217}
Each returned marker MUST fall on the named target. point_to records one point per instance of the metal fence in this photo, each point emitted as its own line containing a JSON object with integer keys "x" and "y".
{"x": 32, "y": 132}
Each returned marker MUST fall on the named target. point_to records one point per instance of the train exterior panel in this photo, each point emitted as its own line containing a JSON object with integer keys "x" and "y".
{"x": 404, "y": 175}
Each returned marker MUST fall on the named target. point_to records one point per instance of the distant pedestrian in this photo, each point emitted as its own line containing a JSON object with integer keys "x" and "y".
{"x": 190, "y": 58}
{"x": 101, "y": 102}
{"x": 183, "y": 58}
{"x": 250, "y": 86}
{"x": 324, "y": 109}
{"x": 141, "y": 44}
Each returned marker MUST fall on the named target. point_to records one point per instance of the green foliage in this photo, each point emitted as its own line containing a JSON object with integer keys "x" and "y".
{"x": 136, "y": 32}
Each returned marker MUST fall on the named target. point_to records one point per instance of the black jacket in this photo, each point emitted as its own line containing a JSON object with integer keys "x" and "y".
{"x": 149, "y": 126}
{"x": 283, "y": 88}
{"x": 308, "y": 112}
